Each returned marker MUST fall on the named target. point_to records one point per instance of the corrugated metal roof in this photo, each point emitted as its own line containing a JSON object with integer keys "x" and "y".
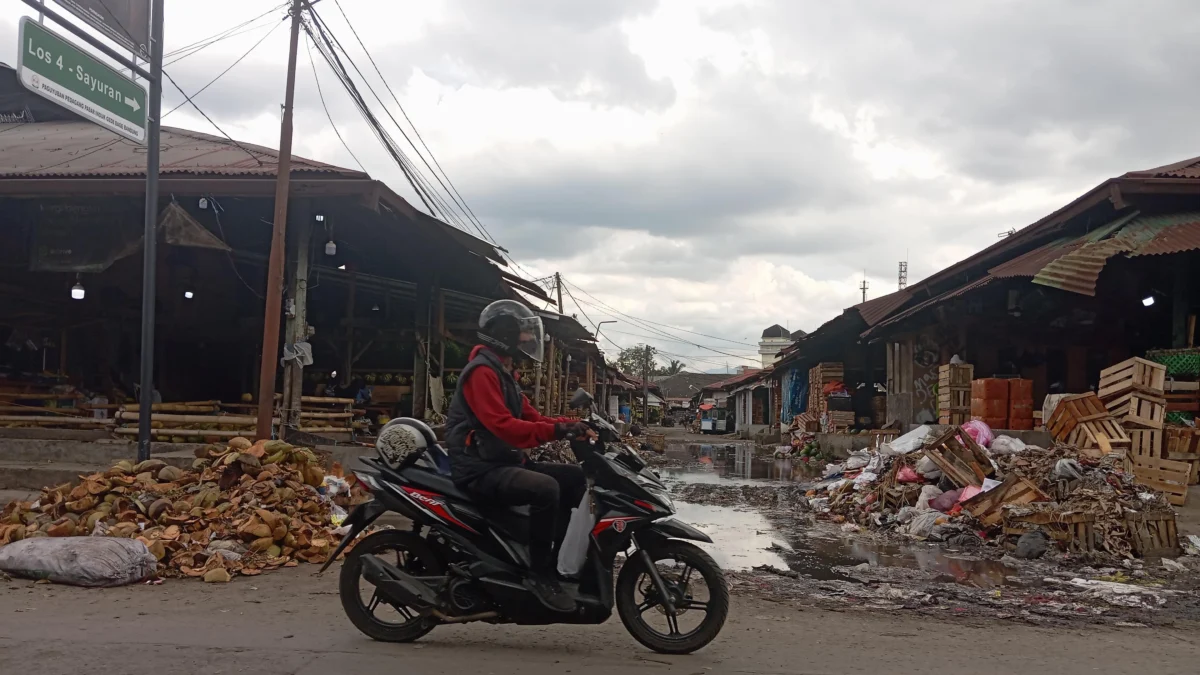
{"x": 875, "y": 310}
{"x": 1078, "y": 270}
{"x": 1188, "y": 168}
{"x": 1029, "y": 264}
{"x": 1182, "y": 235}
{"x": 82, "y": 149}
{"x": 936, "y": 300}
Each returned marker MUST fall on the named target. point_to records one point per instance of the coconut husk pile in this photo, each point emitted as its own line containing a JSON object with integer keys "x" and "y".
{"x": 242, "y": 509}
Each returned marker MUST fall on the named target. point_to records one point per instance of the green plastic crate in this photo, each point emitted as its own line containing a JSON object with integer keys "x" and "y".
{"x": 1179, "y": 362}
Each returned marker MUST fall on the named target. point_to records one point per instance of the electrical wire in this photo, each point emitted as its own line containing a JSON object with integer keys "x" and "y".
{"x": 329, "y": 116}
{"x": 655, "y": 323}
{"x": 174, "y": 55}
{"x": 217, "y": 208}
{"x": 452, "y": 191}
{"x": 210, "y": 120}
{"x": 231, "y": 66}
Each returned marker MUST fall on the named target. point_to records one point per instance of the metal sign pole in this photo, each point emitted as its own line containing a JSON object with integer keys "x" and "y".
{"x": 150, "y": 236}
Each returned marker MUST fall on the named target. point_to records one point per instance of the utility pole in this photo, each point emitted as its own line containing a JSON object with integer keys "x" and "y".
{"x": 558, "y": 285}
{"x": 270, "y": 346}
{"x": 645, "y": 386}
{"x": 864, "y": 286}
{"x": 150, "y": 233}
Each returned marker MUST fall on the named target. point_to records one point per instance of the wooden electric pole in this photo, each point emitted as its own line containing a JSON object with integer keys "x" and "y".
{"x": 271, "y": 315}
{"x": 558, "y": 285}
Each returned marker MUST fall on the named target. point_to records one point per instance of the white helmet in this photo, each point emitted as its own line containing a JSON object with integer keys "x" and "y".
{"x": 399, "y": 445}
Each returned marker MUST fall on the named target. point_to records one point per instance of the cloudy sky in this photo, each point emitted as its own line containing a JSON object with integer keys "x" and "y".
{"x": 723, "y": 165}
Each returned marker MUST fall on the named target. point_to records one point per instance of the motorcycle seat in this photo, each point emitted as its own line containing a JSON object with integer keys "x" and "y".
{"x": 442, "y": 485}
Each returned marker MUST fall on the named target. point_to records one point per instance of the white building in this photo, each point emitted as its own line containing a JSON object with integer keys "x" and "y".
{"x": 774, "y": 339}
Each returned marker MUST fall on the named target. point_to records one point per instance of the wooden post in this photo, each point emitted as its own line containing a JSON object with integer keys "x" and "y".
{"x": 551, "y": 377}
{"x": 590, "y": 377}
{"x": 420, "y": 384}
{"x": 351, "y": 291}
{"x": 62, "y": 352}
{"x": 270, "y": 343}
{"x": 296, "y": 330}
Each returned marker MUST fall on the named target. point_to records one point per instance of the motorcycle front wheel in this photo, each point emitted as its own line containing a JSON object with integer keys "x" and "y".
{"x": 697, "y": 590}
{"x": 368, "y": 611}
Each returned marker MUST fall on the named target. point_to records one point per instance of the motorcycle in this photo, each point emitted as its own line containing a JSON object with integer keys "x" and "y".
{"x": 463, "y": 562}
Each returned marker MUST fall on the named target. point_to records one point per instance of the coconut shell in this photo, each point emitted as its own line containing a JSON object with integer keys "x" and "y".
{"x": 217, "y": 575}
{"x": 239, "y": 443}
{"x": 65, "y": 528}
{"x": 151, "y": 465}
{"x": 169, "y": 474}
{"x": 262, "y": 545}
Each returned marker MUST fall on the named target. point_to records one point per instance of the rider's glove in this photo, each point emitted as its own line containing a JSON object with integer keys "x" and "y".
{"x": 578, "y": 429}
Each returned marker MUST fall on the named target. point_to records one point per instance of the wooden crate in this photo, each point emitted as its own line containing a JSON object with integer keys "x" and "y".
{"x": 1072, "y": 531}
{"x": 1163, "y": 475}
{"x": 955, "y": 375}
{"x": 1138, "y": 409}
{"x": 960, "y": 458}
{"x": 657, "y": 441}
{"x": 988, "y": 507}
{"x": 1132, "y": 375}
{"x": 954, "y": 405}
{"x": 1083, "y": 421}
{"x": 1153, "y": 535}
{"x": 1182, "y": 444}
{"x": 1146, "y": 443}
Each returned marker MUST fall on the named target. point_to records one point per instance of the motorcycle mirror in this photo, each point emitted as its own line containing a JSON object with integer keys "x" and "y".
{"x": 581, "y": 399}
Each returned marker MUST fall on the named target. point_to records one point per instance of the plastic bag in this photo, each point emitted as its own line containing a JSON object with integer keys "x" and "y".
{"x": 865, "y": 479}
{"x": 572, "y": 554}
{"x": 1007, "y": 445}
{"x": 968, "y": 492}
{"x": 926, "y": 466}
{"x": 858, "y": 460}
{"x": 979, "y": 432}
{"x": 79, "y": 561}
{"x": 928, "y": 494}
{"x": 922, "y": 524}
{"x": 913, "y": 440}
{"x": 1068, "y": 469}
{"x": 946, "y": 501}
{"x": 908, "y": 475}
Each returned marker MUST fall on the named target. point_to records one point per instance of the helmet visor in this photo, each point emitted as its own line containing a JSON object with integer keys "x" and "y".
{"x": 532, "y": 339}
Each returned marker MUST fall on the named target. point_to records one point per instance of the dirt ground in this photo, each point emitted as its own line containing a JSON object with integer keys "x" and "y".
{"x": 292, "y": 622}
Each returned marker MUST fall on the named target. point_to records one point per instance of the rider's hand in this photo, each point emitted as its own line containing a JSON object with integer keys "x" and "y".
{"x": 576, "y": 429}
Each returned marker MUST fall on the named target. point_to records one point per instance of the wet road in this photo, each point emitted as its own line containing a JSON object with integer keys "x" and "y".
{"x": 291, "y": 622}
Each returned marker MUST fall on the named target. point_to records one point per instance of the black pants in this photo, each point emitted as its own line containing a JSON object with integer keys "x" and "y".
{"x": 551, "y": 491}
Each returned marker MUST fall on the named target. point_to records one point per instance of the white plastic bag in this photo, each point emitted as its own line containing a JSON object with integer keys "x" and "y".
{"x": 79, "y": 561}
{"x": 1007, "y": 445}
{"x": 573, "y": 552}
{"x": 913, "y": 440}
{"x": 928, "y": 494}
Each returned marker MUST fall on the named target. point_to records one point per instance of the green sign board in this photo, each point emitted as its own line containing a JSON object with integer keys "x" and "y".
{"x": 65, "y": 74}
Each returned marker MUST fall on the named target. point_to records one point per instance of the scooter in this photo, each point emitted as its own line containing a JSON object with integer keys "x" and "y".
{"x": 462, "y": 561}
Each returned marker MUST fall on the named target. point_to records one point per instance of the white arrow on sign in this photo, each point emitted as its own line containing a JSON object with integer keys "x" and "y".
{"x": 132, "y": 103}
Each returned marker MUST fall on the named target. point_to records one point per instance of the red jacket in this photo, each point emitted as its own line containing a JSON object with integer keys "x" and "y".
{"x": 482, "y": 393}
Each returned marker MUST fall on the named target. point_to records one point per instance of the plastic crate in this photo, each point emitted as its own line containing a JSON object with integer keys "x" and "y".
{"x": 1179, "y": 362}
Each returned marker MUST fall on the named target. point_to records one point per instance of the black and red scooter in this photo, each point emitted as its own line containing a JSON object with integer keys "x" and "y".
{"x": 462, "y": 561}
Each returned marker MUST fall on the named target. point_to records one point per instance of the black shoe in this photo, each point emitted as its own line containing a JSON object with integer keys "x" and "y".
{"x": 550, "y": 592}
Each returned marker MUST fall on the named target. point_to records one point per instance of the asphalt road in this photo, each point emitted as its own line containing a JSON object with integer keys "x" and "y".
{"x": 291, "y": 622}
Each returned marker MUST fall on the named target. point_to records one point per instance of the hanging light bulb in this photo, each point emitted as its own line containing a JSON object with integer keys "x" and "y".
{"x": 375, "y": 308}
{"x": 188, "y": 295}
{"x": 331, "y": 247}
{"x": 341, "y": 267}
{"x": 77, "y": 292}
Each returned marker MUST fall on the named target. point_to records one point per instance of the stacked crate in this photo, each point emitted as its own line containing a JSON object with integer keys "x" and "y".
{"x": 1133, "y": 392}
{"x": 1020, "y": 405}
{"x": 818, "y": 403}
{"x": 954, "y": 393}
{"x": 989, "y": 402}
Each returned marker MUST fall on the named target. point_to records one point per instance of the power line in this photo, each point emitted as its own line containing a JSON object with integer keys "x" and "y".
{"x": 655, "y": 323}
{"x": 454, "y": 194}
{"x": 673, "y": 338}
{"x": 217, "y": 37}
{"x": 328, "y": 116}
{"x": 231, "y": 66}
{"x": 210, "y": 120}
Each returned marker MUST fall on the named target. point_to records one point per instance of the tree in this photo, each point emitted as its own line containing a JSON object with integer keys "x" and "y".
{"x": 675, "y": 367}
{"x": 636, "y": 360}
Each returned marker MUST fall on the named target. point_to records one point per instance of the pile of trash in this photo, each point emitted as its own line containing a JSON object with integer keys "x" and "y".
{"x": 245, "y": 508}
{"x": 558, "y": 452}
{"x": 915, "y": 486}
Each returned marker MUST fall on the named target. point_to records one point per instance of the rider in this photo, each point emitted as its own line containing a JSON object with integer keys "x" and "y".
{"x": 490, "y": 423}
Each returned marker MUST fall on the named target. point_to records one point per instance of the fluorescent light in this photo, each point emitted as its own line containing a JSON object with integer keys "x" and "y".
{"x": 1148, "y": 300}
{"x": 189, "y": 295}
{"x": 341, "y": 267}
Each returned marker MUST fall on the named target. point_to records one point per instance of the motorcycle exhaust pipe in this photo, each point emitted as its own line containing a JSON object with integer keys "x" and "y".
{"x": 396, "y": 585}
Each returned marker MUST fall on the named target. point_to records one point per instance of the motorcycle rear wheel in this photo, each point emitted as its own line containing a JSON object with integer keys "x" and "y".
{"x": 676, "y": 562}
{"x": 411, "y": 554}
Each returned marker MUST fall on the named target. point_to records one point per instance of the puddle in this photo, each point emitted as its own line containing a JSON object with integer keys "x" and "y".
{"x": 744, "y": 538}
{"x": 704, "y": 463}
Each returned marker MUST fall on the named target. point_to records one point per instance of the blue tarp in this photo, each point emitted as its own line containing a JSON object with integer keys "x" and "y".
{"x": 794, "y": 390}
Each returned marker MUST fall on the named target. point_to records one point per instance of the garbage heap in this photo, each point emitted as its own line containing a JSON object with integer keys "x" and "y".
{"x": 947, "y": 487}
{"x": 242, "y": 509}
